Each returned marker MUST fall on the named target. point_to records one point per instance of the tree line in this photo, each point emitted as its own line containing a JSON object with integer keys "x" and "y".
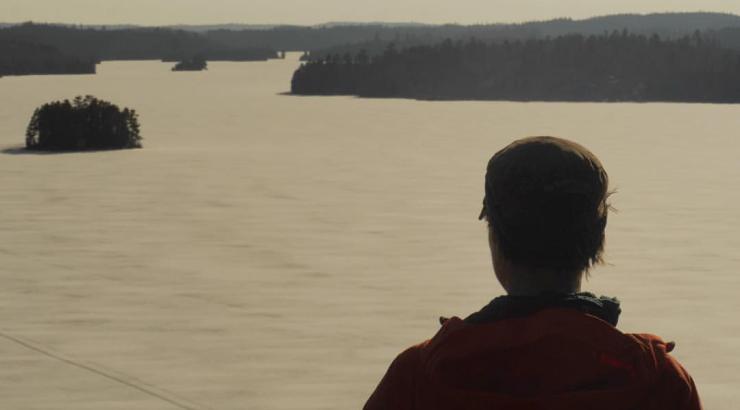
{"x": 619, "y": 66}
{"x": 726, "y": 37}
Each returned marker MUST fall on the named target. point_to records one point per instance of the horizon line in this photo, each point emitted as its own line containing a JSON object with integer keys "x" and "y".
{"x": 367, "y": 23}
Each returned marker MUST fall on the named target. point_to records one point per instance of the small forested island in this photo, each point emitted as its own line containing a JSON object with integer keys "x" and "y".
{"x": 192, "y": 64}
{"x": 85, "y": 123}
{"x": 611, "y": 67}
{"x": 239, "y": 55}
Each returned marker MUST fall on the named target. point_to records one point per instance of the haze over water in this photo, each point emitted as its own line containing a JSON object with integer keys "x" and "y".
{"x": 273, "y": 252}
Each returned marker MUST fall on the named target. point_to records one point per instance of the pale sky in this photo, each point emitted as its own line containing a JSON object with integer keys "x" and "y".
{"x": 166, "y": 12}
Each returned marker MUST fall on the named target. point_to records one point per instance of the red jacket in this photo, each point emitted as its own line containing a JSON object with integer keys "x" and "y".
{"x": 554, "y": 359}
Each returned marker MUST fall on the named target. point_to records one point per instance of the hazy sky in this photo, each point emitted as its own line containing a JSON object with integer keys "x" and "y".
{"x": 161, "y": 12}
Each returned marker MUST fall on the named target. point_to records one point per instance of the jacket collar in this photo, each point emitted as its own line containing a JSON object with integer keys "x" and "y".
{"x": 509, "y": 307}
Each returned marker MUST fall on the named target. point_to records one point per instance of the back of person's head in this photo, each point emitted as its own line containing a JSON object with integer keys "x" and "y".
{"x": 546, "y": 204}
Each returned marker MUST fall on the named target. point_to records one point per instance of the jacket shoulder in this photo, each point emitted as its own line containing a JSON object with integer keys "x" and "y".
{"x": 674, "y": 385}
{"x": 395, "y": 390}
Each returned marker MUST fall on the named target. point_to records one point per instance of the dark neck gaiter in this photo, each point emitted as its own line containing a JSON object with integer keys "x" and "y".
{"x": 509, "y": 307}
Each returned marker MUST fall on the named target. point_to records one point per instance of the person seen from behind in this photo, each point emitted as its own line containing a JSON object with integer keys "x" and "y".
{"x": 545, "y": 344}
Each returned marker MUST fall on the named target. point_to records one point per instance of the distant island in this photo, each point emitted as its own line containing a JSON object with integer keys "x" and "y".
{"x": 193, "y": 64}
{"x": 85, "y": 123}
{"x": 612, "y": 67}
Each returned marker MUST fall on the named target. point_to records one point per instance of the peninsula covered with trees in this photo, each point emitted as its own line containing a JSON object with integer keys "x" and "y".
{"x": 23, "y": 58}
{"x": 54, "y": 49}
{"x": 85, "y": 123}
{"x": 612, "y": 67}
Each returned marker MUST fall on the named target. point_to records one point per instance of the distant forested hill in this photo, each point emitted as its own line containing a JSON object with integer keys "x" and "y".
{"x": 725, "y": 28}
{"x": 612, "y": 67}
{"x": 249, "y": 42}
{"x": 61, "y": 45}
{"x": 663, "y": 24}
{"x": 340, "y": 37}
{"x": 127, "y": 44}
